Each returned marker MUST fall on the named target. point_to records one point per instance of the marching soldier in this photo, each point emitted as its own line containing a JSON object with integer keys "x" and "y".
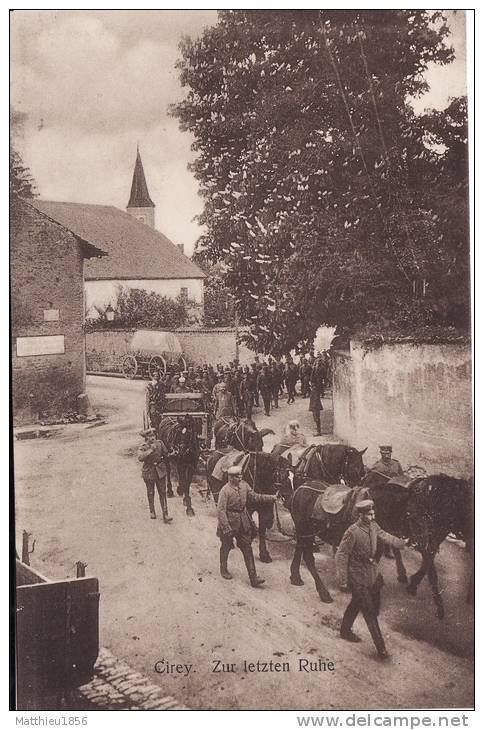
{"x": 153, "y": 454}
{"x": 234, "y": 521}
{"x": 315, "y": 405}
{"x": 357, "y": 569}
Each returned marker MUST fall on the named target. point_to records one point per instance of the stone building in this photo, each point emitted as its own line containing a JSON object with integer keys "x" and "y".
{"x": 47, "y": 313}
{"x": 140, "y": 257}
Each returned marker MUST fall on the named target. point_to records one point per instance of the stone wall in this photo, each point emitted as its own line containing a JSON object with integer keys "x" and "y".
{"x": 47, "y": 300}
{"x": 105, "y": 349}
{"x": 416, "y": 397}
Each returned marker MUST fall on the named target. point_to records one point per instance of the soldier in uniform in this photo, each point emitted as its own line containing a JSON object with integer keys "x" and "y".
{"x": 264, "y": 386}
{"x": 155, "y": 397}
{"x": 315, "y": 405}
{"x": 386, "y": 465}
{"x": 246, "y": 396}
{"x": 153, "y": 454}
{"x": 291, "y": 380}
{"x": 357, "y": 568}
{"x": 234, "y": 521}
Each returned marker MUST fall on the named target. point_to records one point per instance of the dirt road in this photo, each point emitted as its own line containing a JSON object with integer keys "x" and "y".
{"x": 162, "y": 599}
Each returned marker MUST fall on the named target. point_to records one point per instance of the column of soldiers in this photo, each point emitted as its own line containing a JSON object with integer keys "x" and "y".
{"x": 235, "y": 390}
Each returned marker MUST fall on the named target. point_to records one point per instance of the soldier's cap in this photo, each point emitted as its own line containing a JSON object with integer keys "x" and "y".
{"x": 234, "y": 470}
{"x": 385, "y": 448}
{"x": 365, "y": 505}
{"x": 147, "y": 432}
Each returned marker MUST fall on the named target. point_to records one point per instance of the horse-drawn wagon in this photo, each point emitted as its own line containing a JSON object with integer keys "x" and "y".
{"x": 57, "y": 634}
{"x": 193, "y": 404}
{"x": 152, "y": 351}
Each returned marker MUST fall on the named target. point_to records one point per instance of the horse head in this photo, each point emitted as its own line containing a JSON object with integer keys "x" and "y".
{"x": 353, "y": 470}
{"x": 247, "y": 437}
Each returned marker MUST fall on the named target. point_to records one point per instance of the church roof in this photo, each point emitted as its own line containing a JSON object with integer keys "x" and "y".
{"x": 135, "y": 251}
{"x": 140, "y": 197}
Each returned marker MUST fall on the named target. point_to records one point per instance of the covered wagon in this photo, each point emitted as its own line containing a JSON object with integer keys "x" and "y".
{"x": 152, "y": 351}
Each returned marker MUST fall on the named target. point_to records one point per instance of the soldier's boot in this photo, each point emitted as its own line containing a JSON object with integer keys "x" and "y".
{"x": 169, "y": 491}
{"x": 151, "y": 505}
{"x": 377, "y": 637}
{"x": 317, "y": 418}
{"x": 255, "y": 581}
{"x": 188, "y": 503}
{"x": 224, "y": 554}
{"x": 164, "y": 509}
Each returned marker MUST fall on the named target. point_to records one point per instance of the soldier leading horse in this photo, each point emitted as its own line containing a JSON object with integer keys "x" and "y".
{"x": 425, "y": 512}
{"x": 266, "y": 474}
{"x": 180, "y": 437}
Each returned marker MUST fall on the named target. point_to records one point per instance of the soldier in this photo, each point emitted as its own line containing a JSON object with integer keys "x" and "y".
{"x": 357, "y": 569}
{"x": 234, "y": 521}
{"x": 264, "y": 386}
{"x": 291, "y": 380}
{"x": 305, "y": 375}
{"x": 276, "y": 379}
{"x": 253, "y": 384}
{"x": 315, "y": 405}
{"x": 386, "y": 465}
{"x": 153, "y": 454}
{"x": 246, "y": 396}
{"x": 155, "y": 397}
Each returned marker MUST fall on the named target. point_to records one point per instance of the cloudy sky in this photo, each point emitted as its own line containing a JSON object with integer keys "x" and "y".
{"x": 95, "y": 83}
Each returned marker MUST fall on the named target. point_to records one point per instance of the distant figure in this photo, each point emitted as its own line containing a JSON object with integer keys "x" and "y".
{"x": 181, "y": 387}
{"x": 225, "y": 404}
{"x": 315, "y": 405}
{"x": 264, "y": 386}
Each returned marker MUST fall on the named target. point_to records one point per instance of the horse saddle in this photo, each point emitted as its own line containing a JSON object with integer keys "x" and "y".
{"x": 232, "y": 458}
{"x": 292, "y": 453}
{"x": 337, "y": 498}
{"x": 331, "y": 501}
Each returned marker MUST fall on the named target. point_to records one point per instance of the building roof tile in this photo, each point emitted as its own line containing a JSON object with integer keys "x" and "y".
{"x": 135, "y": 251}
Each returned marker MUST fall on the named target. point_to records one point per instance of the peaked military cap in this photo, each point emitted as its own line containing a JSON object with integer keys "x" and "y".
{"x": 365, "y": 505}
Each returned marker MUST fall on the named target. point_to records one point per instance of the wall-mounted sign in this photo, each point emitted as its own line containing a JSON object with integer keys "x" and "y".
{"x": 51, "y": 315}
{"x": 45, "y": 345}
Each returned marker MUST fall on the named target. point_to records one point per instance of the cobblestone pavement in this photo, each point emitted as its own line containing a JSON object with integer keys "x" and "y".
{"x": 116, "y": 686}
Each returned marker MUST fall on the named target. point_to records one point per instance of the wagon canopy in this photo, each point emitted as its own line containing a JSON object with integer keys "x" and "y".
{"x": 156, "y": 342}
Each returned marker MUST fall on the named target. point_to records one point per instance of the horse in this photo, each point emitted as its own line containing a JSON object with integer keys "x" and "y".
{"x": 239, "y": 433}
{"x": 180, "y": 438}
{"x": 425, "y": 512}
{"x": 265, "y": 474}
{"x": 328, "y": 463}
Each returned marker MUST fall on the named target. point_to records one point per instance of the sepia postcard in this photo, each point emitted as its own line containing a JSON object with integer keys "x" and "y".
{"x": 241, "y": 361}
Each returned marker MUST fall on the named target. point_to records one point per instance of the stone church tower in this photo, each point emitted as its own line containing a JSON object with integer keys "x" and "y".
{"x": 140, "y": 205}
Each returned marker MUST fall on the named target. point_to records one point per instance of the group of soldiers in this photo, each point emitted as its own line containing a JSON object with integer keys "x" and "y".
{"x": 234, "y": 390}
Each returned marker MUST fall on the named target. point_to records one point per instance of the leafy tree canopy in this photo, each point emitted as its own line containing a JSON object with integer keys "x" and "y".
{"x": 326, "y": 197}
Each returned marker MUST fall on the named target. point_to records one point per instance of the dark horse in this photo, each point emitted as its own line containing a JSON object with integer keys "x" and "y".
{"x": 266, "y": 474}
{"x": 425, "y": 512}
{"x": 241, "y": 434}
{"x": 180, "y": 438}
{"x": 328, "y": 463}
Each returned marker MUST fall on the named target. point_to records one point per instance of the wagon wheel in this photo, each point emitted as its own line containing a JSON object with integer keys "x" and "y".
{"x": 129, "y": 366}
{"x": 183, "y": 364}
{"x": 156, "y": 365}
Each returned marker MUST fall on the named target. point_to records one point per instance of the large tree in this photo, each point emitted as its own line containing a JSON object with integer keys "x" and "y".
{"x": 314, "y": 169}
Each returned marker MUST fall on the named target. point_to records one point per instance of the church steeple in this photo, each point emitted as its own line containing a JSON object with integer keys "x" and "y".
{"x": 140, "y": 205}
